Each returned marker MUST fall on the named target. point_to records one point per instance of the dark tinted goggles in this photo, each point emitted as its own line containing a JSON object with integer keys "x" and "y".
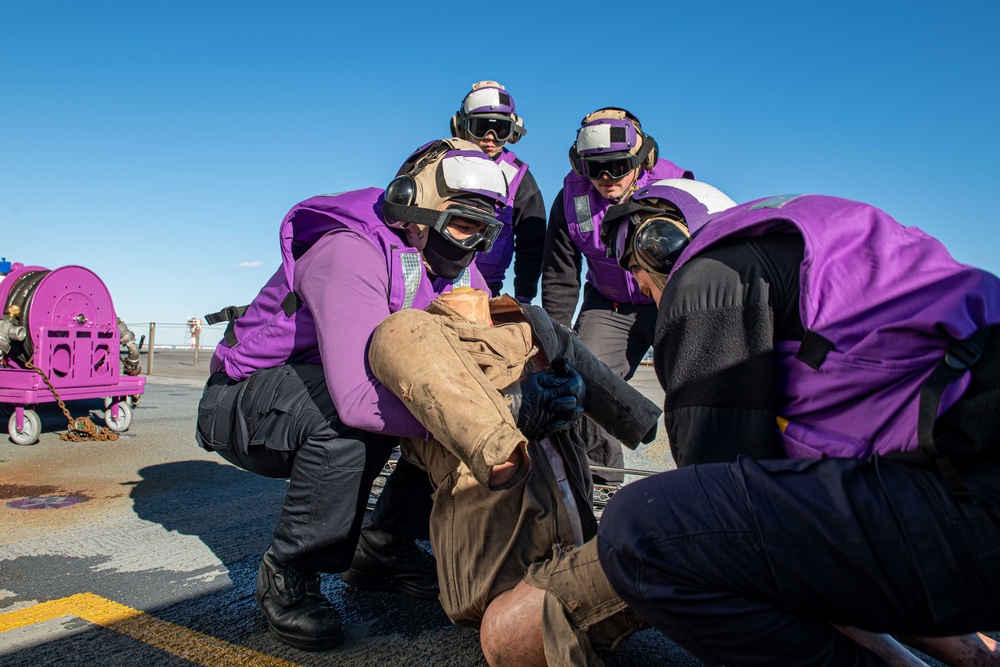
{"x": 615, "y": 168}
{"x": 481, "y": 241}
{"x": 480, "y": 126}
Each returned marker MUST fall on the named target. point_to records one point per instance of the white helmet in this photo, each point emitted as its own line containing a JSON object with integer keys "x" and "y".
{"x": 654, "y": 227}
{"x": 488, "y": 107}
{"x": 446, "y": 179}
{"x": 611, "y": 140}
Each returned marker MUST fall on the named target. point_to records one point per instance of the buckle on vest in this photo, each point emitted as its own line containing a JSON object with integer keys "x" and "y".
{"x": 227, "y": 314}
{"x": 962, "y": 355}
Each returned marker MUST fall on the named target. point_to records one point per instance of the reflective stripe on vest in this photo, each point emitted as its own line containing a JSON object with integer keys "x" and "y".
{"x": 584, "y": 217}
{"x": 412, "y": 270}
{"x": 464, "y": 278}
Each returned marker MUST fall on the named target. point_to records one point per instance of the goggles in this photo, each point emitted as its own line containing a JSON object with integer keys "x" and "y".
{"x": 460, "y": 217}
{"x": 615, "y": 167}
{"x": 480, "y": 126}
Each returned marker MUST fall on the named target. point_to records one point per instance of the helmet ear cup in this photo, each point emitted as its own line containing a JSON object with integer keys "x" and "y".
{"x": 518, "y": 131}
{"x": 650, "y": 160}
{"x": 574, "y": 159}
{"x": 456, "y": 126}
{"x": 402, "y": 190}
{"x": 660, "y": 242}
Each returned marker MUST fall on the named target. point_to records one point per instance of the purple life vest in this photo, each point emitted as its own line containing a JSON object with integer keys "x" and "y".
{"x": 276, "y": 329}
{"x": 585, "y": 208}
{"x": 493, "y": 264}
{"x": 888, "y": 298}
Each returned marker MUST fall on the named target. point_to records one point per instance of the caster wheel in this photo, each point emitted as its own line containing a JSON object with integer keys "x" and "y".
{"x": 28, "y": 435}
{"x": 124, "y": 419}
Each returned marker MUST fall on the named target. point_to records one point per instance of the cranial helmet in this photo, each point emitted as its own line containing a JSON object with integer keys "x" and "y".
{"x": 452, "y": 171}
{"x": 611, "y": 141}
{"x": 652, "y": 229}
{"x": 488, "y": 108}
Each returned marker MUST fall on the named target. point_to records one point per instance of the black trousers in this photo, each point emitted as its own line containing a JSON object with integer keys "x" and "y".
{"x": 280, "y": 422}
{"x": 749, "y": 563}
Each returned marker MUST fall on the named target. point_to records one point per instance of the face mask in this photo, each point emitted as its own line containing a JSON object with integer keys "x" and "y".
{"x": 445, "y": 259}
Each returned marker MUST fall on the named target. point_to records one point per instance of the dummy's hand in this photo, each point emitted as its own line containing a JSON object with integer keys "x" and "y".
{"x": 547, "y": 402}
{"x": 505, "y": 472}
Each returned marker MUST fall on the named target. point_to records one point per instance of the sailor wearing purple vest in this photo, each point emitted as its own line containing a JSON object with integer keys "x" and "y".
{"x": 611, "y": 158}
{"x": 817, "y": 328}
{"x": 291, "y": 395}
{"x": 487, "y": 118}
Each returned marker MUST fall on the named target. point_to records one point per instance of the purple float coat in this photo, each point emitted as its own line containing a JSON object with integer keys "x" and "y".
{"x": 889, "y": 298}
{"x": 350, "y": 271}
{"x": 493, "y": 264}
{"x": 585, "y": 208}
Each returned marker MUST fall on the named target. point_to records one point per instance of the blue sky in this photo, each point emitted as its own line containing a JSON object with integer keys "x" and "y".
{"x": 159, "y": 144}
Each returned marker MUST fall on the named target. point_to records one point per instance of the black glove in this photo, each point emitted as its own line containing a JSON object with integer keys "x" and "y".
{"x": 547, "y": 402}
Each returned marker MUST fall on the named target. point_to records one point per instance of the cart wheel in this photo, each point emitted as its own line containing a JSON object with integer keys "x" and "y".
{"x": 124, "y": 417}
{"x": 27, "y": 435}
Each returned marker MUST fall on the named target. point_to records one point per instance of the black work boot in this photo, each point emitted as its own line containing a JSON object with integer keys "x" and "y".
{"x": 387, "y": 563}
{"x": 297, "y": 613}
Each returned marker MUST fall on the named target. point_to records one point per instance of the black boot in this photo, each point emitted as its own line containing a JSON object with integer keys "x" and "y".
{"x": 387, "y": 563}
{"x": 295, "y": 609}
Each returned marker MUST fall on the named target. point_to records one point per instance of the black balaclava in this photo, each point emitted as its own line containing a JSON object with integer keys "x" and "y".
{"x": 444, "y": 258}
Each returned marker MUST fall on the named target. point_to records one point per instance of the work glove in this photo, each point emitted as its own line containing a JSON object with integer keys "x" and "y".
{"x": 547, "y": 402}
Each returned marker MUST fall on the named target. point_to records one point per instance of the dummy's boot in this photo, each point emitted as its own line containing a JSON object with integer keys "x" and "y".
{"x": 297, "y": 612}
{"x": 387, "y": 563}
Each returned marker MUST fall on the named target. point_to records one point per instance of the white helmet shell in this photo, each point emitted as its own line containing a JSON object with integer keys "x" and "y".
{"x": 451, "y": 174}
{"x": 696, "y": 201}
{"x": 488, "y": 97}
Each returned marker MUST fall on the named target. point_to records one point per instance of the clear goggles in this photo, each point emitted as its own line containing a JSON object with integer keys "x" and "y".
{"x": 616, "y": 167}
{"x": 480, "y": 126}
{"x": 468, "y": 227}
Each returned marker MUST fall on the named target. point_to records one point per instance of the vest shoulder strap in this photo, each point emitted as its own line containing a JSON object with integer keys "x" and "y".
{"x": 961, "y": 356}
{"x": 289, "y": 305}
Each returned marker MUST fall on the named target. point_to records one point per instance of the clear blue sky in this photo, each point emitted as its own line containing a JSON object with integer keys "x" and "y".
{"x": 159, "y": 144}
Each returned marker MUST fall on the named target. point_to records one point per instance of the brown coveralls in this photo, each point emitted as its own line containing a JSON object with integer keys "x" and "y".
{"x": 448, "y": 370}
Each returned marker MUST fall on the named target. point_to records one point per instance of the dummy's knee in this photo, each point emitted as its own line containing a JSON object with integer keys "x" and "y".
{"x": 511, "y": 630}
{"x": 583, "y": 618}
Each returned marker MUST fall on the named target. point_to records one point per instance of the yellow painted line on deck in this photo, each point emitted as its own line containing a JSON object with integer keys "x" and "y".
{"x": 177, "y": 640}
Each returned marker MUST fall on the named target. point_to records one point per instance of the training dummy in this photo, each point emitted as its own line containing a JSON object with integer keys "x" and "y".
{"x": 512, "y": 524}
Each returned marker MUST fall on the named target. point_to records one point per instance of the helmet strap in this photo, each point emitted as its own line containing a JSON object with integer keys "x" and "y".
{"x": 633, "y": 186}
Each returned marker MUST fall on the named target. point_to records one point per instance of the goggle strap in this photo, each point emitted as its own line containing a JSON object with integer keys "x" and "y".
{"x": 429, "y": 218}
{"x": 411, "y": 214}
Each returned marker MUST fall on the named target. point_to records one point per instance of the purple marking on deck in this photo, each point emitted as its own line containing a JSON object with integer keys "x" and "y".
{"x": 43, "y": 502}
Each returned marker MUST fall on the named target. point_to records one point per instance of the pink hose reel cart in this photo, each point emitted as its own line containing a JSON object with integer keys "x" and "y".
{"x": 62, "y": 324}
